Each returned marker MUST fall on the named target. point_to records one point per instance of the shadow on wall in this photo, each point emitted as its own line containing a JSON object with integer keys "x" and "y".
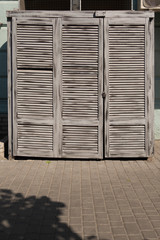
{"x": 3, "y": 71}
{"x": 3, "y": 91}
{"x": 33, "y": 218}
{"x": 3, "y": 78}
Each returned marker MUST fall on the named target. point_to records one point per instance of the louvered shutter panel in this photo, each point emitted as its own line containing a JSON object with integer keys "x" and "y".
{"x": 126, "y": 121}
{"x": 34, "y": 87}
{"x": 82, "y": 72}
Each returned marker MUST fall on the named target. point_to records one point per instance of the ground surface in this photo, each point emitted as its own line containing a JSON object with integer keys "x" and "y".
{"x": 80, "y": 200}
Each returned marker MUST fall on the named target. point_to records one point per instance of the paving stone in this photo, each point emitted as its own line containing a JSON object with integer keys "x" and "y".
{"x": 89, "y": 224}
{"x": 136, "y": 237}
{"x": 31, "y": 236}
{"x": 149, "y": 234}
{"x": 131, "y": 228}
{"x": 75, "y": 220}
{"x": 128, "y": 219}
{"x": 75, "y": 203}
{"x": 144, "y": 224}
{"x": 116, "y": 223}
{"x": 16, "y": 237}
{"x": 87, "y": 211}
{"x": 118, "y": 230}
{"x": 156, "y": 224}
{"x": 90, "y": 237}
{"x": 46, "y": 237}
{"x": 104, "y": 228}
{"x": 76, "y": 228}
{"x": 33, "y": 228}
{"x": 75, "y": 212}
{"x": 99, "y": 209}
{"x": 154, "y": 217}
{"x": 19, "y": 228}
{"x": 102, "y": 220}
{"x": 105, "y": 236}
{"x": 115, "y": 217}
{"x": 89, "y": 231}
{"x": 88, "y": 218}
{"x": 121, "y": 237}
{"x": 157, "y": 230}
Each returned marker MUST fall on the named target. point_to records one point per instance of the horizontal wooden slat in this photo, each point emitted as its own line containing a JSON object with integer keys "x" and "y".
{"x": 35, "y": 137}
{"x": 34, "y": 46}
{"x": 80, "y": 139}
{"x": 80, "y": 71}
{"x": 126, "y": 138}
{"x": 34, "y": 93}
{"x": 126, "y": 71}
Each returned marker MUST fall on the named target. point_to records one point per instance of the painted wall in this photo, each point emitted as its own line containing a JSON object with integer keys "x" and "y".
{"x": 4, "y": 5}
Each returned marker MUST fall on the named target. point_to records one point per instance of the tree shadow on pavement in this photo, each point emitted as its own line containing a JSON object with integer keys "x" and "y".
{"x": 33, "y": 218}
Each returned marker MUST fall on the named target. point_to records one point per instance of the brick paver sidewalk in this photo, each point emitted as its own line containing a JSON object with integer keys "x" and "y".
{"x": 77, "y": 200}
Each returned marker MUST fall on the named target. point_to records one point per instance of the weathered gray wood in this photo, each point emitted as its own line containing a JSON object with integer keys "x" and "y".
{"x": 34, "y": 20}
{"x": 126, "y": 96}
{"x": 33, "y": 121}
{"x": 33, "y": 88}
{"x": 34, "y": 45}
{"x": 76, "y": 5}
{"x": 34, "y": 153}
{"x": 57, "y": 96}
{"x": 14, "y": 77}
{"x": 106, "y": 87}
{"x": 71, "y": 125}
{"x": 82, "y": 88}
{"x": 50, "y": 14}
{"x": 150, "y": 85}
{"x": 84, "y": 21}
{"x": 100, "y": 87}
{"x": 129, "y": 121}
{"x": 137, "y": 20}
{"x": 124, "y": 14}
{"x": 109, "y": 14}
{"x": 9, "y": 57}
{"x": 21, "y": 4}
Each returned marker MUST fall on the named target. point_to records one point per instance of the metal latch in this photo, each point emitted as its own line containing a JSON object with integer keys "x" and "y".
{"x": 103, "y": 95}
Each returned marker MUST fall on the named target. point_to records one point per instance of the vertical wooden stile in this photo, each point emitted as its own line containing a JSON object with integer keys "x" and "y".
{"x": 106, "y": 87}
{"x": 150, "y": 84}
{"x": 57, "y": 71}
{"x": 14, "y": 89}
{"x": 100, "y": 88}
{"x": 9, "y": 64}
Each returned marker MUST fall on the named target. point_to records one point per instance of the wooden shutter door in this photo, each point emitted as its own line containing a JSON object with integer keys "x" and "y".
{"x": 128, "y": 51}
{"x": 82, "y": 81}
{"x": 34, "y": 89}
